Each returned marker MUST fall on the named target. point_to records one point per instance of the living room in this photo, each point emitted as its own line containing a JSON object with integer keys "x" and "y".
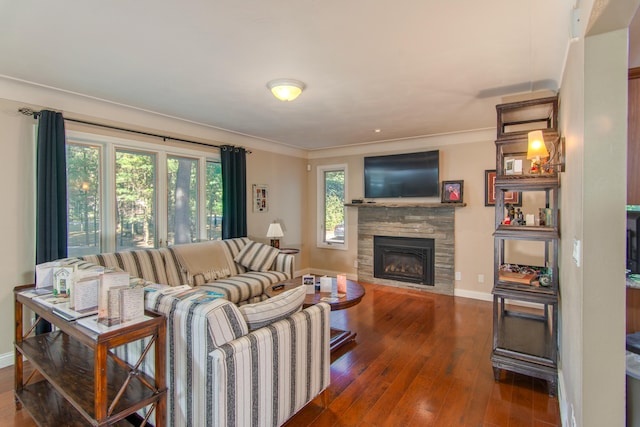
{"x": 592, "y": 315}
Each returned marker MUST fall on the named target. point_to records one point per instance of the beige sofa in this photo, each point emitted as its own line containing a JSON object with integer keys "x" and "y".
{"x": 239, "y": 360}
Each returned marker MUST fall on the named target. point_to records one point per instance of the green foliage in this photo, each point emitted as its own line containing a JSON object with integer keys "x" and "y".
{"x": 334, "y": 199}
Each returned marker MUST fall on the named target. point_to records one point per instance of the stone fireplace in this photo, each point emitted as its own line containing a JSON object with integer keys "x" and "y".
{"x": 433, "y": 221}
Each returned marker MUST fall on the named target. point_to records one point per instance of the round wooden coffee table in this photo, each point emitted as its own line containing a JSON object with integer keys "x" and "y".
{"x": 354, "y": 294}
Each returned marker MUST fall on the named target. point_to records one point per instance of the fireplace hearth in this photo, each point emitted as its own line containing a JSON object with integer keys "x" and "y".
{"x": 405, "y": 259}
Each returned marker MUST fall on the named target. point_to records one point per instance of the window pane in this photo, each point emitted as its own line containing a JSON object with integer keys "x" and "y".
{"x": 334, "y": 206}
{"x": 135, "y": 200}
{"x": 83, "y": 195}
{"x": 214, "y": 201}
{"x": 182, "y": 200}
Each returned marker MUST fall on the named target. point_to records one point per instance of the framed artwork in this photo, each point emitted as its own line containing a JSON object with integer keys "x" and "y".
{"x": 511, "y": 197}
{"x": 452, "y": 191}
{"x": 260, "y": 198}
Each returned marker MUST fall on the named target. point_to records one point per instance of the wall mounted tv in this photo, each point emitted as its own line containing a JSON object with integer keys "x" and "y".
{"x": 402, "y": 175}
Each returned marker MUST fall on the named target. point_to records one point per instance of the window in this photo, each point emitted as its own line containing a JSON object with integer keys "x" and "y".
{"x": 331, "y": 199}
{"x": 135, "y": 200}
{"x": 84, "y": 199}
{"x": 182, "y": 204}
{"x": 126, "y": 195}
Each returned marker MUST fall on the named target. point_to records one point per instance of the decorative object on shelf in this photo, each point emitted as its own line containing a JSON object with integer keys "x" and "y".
{"x": 275, "y": 233}
{"x": 510, "y": 197}
{"x": 536, "y": 150}
{"x": 342, "y": 283}
{"x": 260, "y": 198}
{"x": 452, "y": 191}
{"x": 326, "y": 284}
{"x": 285, "y": 89}
{"x": 309, "y": 282}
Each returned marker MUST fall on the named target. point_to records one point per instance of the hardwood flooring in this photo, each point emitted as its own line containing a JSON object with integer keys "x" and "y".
{"x": 419, "y": 359}
{"x": 422, "y": 359}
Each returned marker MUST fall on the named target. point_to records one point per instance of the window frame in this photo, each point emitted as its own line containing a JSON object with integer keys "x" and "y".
{"x": 321, "y": 198}
{"x": 109, "y": 145}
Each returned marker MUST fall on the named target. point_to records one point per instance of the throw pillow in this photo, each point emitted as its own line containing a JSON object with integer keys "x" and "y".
{"x": 257, "y": 256}
{"x": 279, "y": 307}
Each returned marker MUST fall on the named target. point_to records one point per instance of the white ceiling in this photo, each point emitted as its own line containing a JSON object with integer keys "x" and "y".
{"x": 407, "y": 67}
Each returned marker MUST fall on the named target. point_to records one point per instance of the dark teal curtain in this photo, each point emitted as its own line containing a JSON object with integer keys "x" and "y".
{"x": 234, "y": 191}
{"x": 51, "y": 196}
{"x": 51, "y": 205}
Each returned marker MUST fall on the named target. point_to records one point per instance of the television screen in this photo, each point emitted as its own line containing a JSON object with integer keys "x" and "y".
{"x": 402, "y": 175}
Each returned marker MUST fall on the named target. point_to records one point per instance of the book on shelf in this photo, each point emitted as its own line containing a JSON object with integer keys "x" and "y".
{"x": 517, "y": 277}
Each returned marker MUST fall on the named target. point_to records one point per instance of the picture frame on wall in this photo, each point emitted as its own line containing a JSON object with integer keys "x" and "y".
{"x": 452, "y": 191}
{"x": 260, "y": 198}
{"x": 511, "y": 197}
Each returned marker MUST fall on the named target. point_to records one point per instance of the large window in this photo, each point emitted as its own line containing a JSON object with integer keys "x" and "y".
{"x": 126, "y": 195}
{"x": 84, "y": 198}
{"x": 135, "y": 176}
{"x": 331, "y": 199}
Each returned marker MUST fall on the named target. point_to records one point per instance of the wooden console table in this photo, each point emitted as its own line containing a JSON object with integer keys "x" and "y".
{"x": 84, "y": 382}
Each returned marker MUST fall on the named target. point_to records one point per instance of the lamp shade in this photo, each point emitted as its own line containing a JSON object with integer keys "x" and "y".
{"x": 285, "y": 89}
{"x": 275, "y": 231}
{"x": 536, "y": 148}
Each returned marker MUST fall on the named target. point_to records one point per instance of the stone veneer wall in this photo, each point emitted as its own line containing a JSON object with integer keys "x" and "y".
{"x": 436, "y": 223}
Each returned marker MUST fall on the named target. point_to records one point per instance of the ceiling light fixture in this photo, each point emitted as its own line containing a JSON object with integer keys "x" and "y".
{"x": 285, "y": 89}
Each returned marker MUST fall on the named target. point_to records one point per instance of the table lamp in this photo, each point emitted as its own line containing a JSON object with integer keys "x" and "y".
{"x": 275, "y": 233}
{"x": 536, "y": 150}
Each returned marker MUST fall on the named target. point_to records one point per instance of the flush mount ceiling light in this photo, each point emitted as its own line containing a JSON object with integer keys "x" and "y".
{"x": 285, "y": 89}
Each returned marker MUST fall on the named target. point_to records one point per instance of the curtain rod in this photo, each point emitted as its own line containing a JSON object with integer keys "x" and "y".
{"x": 29, "y": 112}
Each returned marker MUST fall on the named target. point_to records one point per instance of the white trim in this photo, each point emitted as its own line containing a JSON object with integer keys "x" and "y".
{"x": 320, "y": 192}
{"x": 464, "y": 293}
{"x": 7, "y": 359}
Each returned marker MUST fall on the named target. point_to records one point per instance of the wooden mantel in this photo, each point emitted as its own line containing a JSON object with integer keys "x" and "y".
{"x": 405, "y": 205}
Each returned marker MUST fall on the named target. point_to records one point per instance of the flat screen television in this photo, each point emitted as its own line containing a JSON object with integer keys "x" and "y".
{"x": 402, "y": 175}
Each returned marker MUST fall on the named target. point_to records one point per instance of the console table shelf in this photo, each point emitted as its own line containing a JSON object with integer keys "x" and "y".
{"x": 84, "y": 382}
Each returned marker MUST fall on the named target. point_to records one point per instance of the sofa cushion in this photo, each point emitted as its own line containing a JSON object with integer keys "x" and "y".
{"x": 146, "y": 264}
{"x": 257, "y": 256}
{"x": 273, "y": 309}
{"x": 245, "y": 286}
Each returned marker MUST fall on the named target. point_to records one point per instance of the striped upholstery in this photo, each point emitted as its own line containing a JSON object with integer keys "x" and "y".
{"x": 172, "y": 267}
{"x": 146, "y": 264}
{"x": 264, "y": 313}
{"x": 258, "y": 379}
{"x": 245, "y": 286}
{"x": 265, "y": 377}
{"x": 257, "y": 256}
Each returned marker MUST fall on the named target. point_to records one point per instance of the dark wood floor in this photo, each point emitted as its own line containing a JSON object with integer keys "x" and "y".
{"x": 420, "y": 360}
{"x": 423, "y": 360}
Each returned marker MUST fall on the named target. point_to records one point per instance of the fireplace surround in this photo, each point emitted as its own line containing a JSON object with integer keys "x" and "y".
{"x": 406, "y": 259}
{"x": 420, "y": 220}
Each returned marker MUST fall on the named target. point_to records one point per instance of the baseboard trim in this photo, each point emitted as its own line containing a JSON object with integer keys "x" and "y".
{"x": 464, "y": 293}
{"x": 6, "y": 359}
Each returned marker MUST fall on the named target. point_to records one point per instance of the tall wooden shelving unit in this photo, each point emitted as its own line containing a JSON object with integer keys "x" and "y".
{"x": 525, "y": 338}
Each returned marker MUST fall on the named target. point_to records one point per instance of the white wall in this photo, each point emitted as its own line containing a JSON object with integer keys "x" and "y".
{"x": 594, "y": 121}
{"x": 17, "y": 217}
